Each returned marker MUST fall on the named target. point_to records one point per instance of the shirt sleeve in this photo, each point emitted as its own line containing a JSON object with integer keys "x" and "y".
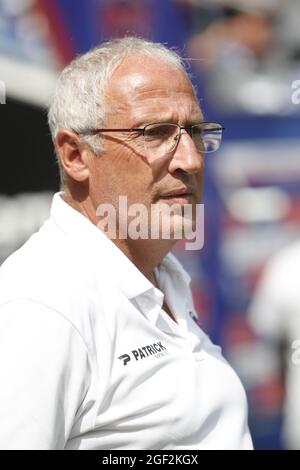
{"x": 45, "y": 374}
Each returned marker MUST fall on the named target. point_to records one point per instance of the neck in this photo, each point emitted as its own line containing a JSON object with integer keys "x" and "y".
{"x": 144, "y": 254}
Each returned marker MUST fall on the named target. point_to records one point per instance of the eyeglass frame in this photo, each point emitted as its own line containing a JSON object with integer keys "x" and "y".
{"x": 142, "y": 129}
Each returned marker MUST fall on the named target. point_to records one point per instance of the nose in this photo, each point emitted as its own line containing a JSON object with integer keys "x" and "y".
{"x": 186, "y": 156}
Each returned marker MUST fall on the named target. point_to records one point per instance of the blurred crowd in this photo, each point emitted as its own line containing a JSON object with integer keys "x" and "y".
{"x": 249, "y": 49}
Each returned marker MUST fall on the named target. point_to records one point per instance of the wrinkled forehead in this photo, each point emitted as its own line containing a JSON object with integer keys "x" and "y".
{"x": 143, "y": 85}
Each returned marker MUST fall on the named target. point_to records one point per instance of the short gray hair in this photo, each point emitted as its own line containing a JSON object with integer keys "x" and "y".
{"x": 78, "y": 100}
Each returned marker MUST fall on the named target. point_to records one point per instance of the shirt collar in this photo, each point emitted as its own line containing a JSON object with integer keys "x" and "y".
{"x": 171, "y": 264}
{"x": 99, "y": 250}
{"x": 97, "y": 246}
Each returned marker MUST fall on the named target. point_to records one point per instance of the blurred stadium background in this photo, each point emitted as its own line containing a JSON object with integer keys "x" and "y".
{"x": 244, "y": 57}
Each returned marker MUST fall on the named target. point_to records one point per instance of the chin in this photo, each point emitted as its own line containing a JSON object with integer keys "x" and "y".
{"x": 177, "y": 227}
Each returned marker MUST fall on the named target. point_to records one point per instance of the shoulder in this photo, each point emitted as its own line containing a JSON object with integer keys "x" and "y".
{"x": 35, "y": 269}
{"x": 47, "y": 272}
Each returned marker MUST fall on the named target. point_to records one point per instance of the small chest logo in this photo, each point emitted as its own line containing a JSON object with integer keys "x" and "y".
{"x": 154, "y": 349}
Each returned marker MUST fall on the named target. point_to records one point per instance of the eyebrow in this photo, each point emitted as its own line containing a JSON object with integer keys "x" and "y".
{"x": 167, "y": 117}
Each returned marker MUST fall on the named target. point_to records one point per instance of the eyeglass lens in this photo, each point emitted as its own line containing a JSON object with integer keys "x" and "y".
{"x": 162, "y": 138}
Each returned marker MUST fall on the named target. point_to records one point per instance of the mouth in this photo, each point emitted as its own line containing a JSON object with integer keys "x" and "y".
{"x": 180, "y": 199}
{"x": 179, "y": 196}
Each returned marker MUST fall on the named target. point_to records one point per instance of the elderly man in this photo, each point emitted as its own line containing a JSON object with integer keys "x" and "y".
{"x": 99, "y": 348}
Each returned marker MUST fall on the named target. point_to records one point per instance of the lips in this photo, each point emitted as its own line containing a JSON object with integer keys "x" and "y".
{"x": 178, "y": 193}
{"x": 181, "y": 196}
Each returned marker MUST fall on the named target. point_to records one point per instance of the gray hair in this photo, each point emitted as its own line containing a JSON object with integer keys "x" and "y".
{"x": 78, "y": 100}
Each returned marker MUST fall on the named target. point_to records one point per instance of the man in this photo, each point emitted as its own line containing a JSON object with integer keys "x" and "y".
{"x": 274, "y": 317}
{"x": 98, "y": 346}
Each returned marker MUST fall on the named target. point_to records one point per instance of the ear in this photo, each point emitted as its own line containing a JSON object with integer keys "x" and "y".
{"x": 72, "y": 155}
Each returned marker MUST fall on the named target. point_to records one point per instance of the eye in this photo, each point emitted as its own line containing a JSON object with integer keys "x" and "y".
{"x": 195, "y": 130}
{"x": 159, "y": 131}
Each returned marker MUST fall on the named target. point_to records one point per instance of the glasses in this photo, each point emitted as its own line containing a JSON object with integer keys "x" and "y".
{"x": 161, "y": 138}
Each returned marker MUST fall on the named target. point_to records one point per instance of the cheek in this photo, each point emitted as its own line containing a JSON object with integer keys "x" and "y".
{"x": 138, "y": 187}
{"x": 200, "y": 184}
{"x": 122, "y": 175}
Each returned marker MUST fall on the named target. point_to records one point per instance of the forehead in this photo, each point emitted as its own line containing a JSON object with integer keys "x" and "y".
{"x": 143, "y": 89}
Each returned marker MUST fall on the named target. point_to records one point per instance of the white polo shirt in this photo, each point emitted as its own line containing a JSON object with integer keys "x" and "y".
{"x": 89, "y": 360}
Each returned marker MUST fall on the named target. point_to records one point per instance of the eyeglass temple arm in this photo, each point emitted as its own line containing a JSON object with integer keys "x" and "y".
{"x": 95, "y": 131}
